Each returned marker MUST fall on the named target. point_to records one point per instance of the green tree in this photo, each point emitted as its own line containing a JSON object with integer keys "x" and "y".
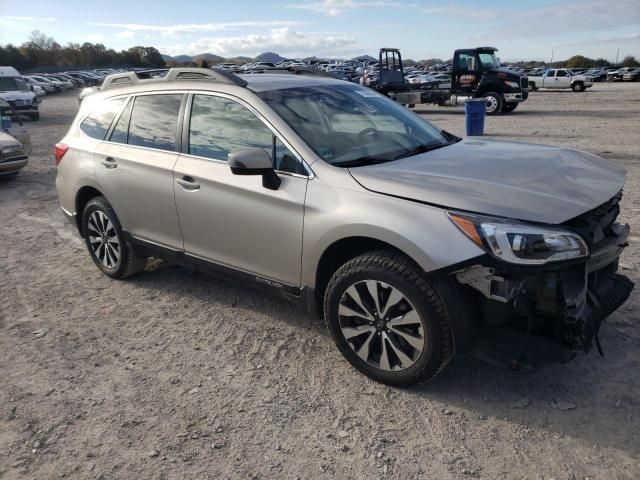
{"x": 630, "y": 61}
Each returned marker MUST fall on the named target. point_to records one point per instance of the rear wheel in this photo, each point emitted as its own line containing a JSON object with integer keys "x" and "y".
{"x": 577, "y": 87}
{"x": 532, "y": 87}
{"x": 494, "y": 103}
{"x": 509, "y": 107}
{"x": 387, "y": 319}
{"x": 34, "y": 116}
{"x": 106, "y": 242}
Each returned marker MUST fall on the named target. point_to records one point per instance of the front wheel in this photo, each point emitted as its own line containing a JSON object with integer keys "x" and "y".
{"x": 387, "y": 319}
{"x": 577, "y": 87}
{"x": 509, "y": 107}
{"x": 34, "y": 116}
{"x": 494, "y": 103}
{"x": 106, "y": 242}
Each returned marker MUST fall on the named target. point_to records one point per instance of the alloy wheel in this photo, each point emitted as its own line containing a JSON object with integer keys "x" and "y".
{"x": 381, "y": 325}
{"x": 103, "y": 239}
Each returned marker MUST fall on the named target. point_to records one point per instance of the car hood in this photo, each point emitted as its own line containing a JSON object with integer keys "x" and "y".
{"x": 508, "y": 179}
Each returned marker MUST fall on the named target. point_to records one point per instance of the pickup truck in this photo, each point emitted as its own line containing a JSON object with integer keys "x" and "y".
{"x": 561, "y": 78}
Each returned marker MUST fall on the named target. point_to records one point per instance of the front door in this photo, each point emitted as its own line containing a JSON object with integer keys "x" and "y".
{"x": 563, "y": 80}
{"x": 233, "y": 220}
{"x": 134, "y": 167}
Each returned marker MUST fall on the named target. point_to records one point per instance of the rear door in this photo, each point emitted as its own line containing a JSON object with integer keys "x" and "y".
{"x": 232, "y": 220}
{"x": 134, "y": 167}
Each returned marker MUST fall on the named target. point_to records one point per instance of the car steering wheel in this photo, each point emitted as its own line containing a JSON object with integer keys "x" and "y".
{"x": 367, "y": 131}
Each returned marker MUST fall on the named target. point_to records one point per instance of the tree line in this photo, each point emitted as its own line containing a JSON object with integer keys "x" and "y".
{"x": 43, "y": 51}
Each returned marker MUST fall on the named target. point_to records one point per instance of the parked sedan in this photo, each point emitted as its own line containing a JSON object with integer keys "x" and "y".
{"x": 12, "y": 156}
{"x": 48, "y": 87}
{"x": 617, "y": 75}
{"x": 632, "y": 75}
{"x": 57, "y": 85}
{"x": 68, "y": 84}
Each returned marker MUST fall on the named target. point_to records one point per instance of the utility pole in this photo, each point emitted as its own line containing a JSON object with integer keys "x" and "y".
{"x": 551, "y": 56}
{"x": 617, "y": 54}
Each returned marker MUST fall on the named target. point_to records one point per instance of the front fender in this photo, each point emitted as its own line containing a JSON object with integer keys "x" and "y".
{"x": 422, "y": 232}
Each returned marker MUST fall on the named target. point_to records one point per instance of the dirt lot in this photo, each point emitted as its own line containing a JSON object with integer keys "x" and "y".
{"x": 177, "y": 375}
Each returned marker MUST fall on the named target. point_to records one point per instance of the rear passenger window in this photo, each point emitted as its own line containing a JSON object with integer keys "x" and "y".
{"x": 154, "y": 121}
{"x": 98, "y": 122}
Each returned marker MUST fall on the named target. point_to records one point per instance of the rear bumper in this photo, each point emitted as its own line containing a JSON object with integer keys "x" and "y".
{"x": 13, "y": 166}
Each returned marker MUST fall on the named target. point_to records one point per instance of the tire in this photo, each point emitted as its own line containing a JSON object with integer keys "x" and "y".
{"x": 494, "y": 103}
{"x": 419, "y": 315}
{"x": 532, "y": 87}
{"x": 578, "y": 87}
{"x": 118, "y": 260}
{"x": 34, "y": 116}
{"x": 509, "y": 107}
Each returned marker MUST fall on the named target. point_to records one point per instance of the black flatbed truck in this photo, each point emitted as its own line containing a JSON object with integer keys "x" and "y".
{"x": 476, "y": 73}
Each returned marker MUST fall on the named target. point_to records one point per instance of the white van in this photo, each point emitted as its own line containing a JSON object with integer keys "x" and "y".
{"x": 16, "y": 92}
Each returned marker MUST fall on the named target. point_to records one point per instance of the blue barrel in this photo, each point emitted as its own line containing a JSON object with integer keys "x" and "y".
{"x": 5, "y": 121}
{"x": 474, "y": 111}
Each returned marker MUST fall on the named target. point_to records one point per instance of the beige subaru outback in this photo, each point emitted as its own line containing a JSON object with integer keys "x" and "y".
{"x": 413, "y": 243}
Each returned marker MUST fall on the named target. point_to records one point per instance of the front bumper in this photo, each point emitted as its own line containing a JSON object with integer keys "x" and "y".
{"x": 564, "y": 302}
{"x": 13, "y": 165}
{"x": 516, "y": 97}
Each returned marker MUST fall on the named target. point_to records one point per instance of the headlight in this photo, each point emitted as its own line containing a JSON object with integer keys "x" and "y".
{"x": 12, "y": 150}
{"x": 521, "y": 243}
{"x": 511, "y": 84}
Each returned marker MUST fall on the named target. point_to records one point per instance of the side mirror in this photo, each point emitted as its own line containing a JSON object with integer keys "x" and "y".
{"x": 255, "y": 161}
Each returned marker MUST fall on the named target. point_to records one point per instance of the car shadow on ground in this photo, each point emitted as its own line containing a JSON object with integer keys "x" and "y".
{"x": 562, "y": 400}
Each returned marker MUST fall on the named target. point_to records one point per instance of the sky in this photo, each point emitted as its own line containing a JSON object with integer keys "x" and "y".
{"x": 521, "y": 30}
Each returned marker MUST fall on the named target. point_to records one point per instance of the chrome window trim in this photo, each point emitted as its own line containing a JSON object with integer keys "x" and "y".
{"x": 311, "y": 175}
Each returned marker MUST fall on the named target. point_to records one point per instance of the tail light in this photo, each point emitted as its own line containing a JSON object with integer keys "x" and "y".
{"x": 60, "y": 150}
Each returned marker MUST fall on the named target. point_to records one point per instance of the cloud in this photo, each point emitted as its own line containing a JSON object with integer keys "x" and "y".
{"x": 126, "y": 34}
{"x": 621, "y": 39}
{"x": 283, "y": 40}
{"x": 9, "y": 19}
{"x": 169, "y": 30}
{"x": 95, "y": 38}
{"x": 334, "y": 8}
{"x": 550, "y": 20}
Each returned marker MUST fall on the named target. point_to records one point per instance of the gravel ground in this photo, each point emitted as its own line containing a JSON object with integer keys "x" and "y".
{"x": 177, "y": 375}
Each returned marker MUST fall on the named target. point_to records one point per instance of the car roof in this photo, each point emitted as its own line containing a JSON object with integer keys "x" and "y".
{"x": 261, "y": 82}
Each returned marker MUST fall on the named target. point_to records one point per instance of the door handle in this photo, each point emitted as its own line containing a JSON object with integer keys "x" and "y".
{"x": 109, "y": 163}
{"x": 188, "y": 183}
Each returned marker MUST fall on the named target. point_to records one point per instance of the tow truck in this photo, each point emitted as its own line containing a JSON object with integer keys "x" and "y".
{"x": 476, "y": 73}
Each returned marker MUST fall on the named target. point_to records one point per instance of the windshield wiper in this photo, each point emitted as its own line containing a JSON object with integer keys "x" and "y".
{"x": 361, "y": 162}
{"x": 427, "y": 147}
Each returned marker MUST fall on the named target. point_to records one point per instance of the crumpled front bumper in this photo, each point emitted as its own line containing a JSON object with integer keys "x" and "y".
{"x": 566, "y": 302}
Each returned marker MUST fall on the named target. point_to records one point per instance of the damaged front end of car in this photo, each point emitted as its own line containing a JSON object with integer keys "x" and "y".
{"x": 547, "y": 282}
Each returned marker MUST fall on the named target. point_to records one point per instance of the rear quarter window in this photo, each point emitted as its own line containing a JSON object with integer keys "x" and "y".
{"x": 98, "y": 122}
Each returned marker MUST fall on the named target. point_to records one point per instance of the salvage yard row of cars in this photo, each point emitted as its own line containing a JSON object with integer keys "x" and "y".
{"x": 20, "y": 97}
{"x": 23, "y": 92}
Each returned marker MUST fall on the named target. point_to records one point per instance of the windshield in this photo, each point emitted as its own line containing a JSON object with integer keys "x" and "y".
{"x": 349, "y": 125}
{"x": 11, "y": 84}
{"x": 489, "y": 59}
